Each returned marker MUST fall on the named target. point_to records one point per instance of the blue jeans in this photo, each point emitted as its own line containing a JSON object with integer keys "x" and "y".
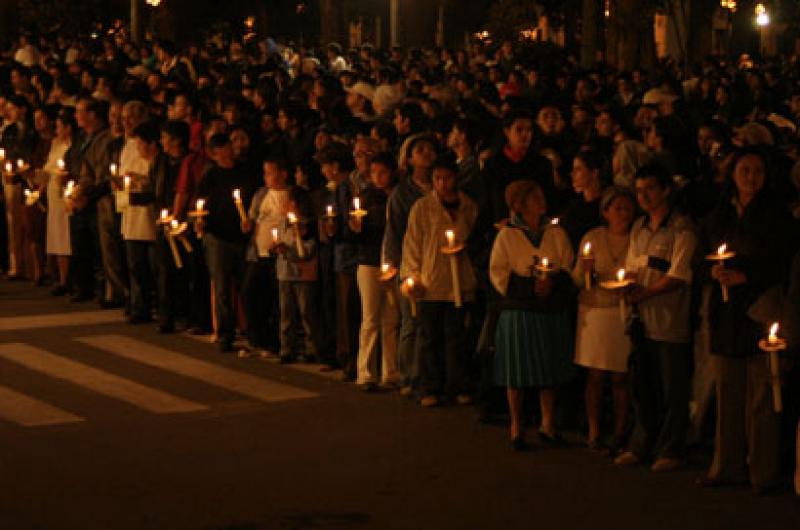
{"x": 226, "y": 265}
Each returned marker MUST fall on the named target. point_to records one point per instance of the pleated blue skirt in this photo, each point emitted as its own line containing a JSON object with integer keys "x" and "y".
{"x": 533, "y": 349}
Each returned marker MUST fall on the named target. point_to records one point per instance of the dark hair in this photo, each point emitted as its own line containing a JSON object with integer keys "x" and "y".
{"x": 282, "y": 163}
{"x": 385, "y": 159}
{"x": 219, "y": 141}
{"x": 414, "y": 114}
{"x": 446, "y": 161}
{"x": 656, "y": 171}
{"x": 148, "y": 132}
{"x": 470, "y": 129}
{"x": 515, "y": 114}
{"x": 67, "y": 118}
{"x": 337, "y": 153}
{"x": 386, "y": 131}
{"x": 179, "y": 130}
{"x": 750, "y": 150}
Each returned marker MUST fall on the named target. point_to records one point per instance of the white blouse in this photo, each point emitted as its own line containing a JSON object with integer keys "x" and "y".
{"x": 514, "y": 252}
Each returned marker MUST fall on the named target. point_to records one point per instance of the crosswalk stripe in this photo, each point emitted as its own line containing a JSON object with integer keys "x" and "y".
{"x": 82, "y": 318}
{"x": 30, "y": 412}
{"x": 209, "y": 373}
{"x": 96, "y": 380}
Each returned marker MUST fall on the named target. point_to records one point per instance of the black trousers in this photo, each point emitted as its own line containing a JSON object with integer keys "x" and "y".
{"x": 173, "y": 283}
{"x": 83, "y": 236}
{"x": 443, "y": 357}
{"x": 261, "y": 304}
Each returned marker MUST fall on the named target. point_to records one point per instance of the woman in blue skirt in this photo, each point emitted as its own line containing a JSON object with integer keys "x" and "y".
{"x": 529, "y": 267}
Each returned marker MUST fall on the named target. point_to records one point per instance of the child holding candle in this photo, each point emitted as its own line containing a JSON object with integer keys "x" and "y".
{"x": 534, "y": 335}
{"x": 442, "y": 325}
{"x": 260, "y": 288}
{"x": 601, "y": 344}
{"x": 297, "y": 278}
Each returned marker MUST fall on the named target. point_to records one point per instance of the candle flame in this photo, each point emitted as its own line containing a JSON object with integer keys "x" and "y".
{"x": 385, "y": 268}
{"x": 126, "y": 182}
{"x": 723, "y": 248}
{"x": 773, "y": 332}
{"x": 174, "y": 224}
{"x": 621, "y": 275}
{"x": 9, "y": 167}
{"x": 237, "y": 195}
{"x": 20, "y": 163}
{"x": 545, "y": 263}
{"x": 587, "y": 249}
{"x": 356, "y": 203}
{"x": 113, "y": 169}
{"x": 27, "y": 193}
{"x": 410, "y": 282}
{"x": 200, "y": 204}
{"x": 292, "y": 217}
{"x": 554, "y": 221}
{"x": 451, "y": 237}
{"x": 2, "y": 154}
{"x": 329, "y": 210}
{"x": 60, "y": 164}
{"x": 275, "y": 234}
{"x": 164, "y": 213}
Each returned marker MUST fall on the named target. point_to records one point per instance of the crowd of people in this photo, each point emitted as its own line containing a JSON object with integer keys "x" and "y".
{"x": 441, "y": 223}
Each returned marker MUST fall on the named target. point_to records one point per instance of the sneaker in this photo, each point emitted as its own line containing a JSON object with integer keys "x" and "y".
{"x": 244, "y": 353}
{"x": 429, "y": 401}
{"x": 663, "y": 465}
{"x": 628, "y": 458}
{"x": 463, "y": 399}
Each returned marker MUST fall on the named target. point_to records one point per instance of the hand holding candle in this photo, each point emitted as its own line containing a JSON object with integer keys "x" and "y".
{"x": 298, "y": 238}
{"x": 168, "y": 228}
{"x": 410, "y": 286}
{"x": 720, "y": 256}
{"x": 386, "y": 276}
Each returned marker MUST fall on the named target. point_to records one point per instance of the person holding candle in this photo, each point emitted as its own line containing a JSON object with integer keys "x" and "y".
{"x": 534, "y": 336}
{"x": 747, "y": 441}
{"x": 297, "y": 277}
{"x": 659, "y": 258}
{"x": 336, "y": 163}
{"x": 601, "y": 344}
{"x": 225, "y": 243}
{"x": 57, "y": 239}
{"x": 379, "y": 317}
{"x": 422, "y": 151}
{"x": 442, "y": 350}
{"x": 260, "y": 288}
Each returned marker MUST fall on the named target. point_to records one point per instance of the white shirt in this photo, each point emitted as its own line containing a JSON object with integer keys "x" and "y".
{"x": 514, "y": 253}
{"x": 27, "y": 56}
{"x": 271, "y": 212}
{"x": 138, "y": 222}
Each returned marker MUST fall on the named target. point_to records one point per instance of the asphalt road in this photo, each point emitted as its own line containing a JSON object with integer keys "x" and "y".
{"x": 109, "y": 426}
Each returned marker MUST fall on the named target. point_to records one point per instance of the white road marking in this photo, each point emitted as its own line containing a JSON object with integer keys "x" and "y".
{"x": 209, "y": 373}
{"x": 96, "y": 380}
{"x": 30, "y": 412}
{"x": 82, "y": 318}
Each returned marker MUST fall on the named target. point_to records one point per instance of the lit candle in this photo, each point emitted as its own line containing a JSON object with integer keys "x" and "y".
{"x": 113, "y": 169}
{"x": 356, "y": 204}
{"x": 411, "y": 300}
{"x": 9, "y": 167}
{"x": 199, "y": 205}
{"x": 623, "y": 311}
{"x": 2, "y": 154}
{"x": 69, "y": 189}
{"x": 126, "y": 184}
{"x": 385, "y": 267}
{"x": 176, "y": 255}
{"x": 723, "y": 248}
{"x": 164, "y": 215}
{"x": 450, "y": 235}
{"x": 298, "y": 239}
{"x": 329, "y": 211}
{"x": 772, "y": 339}
{"x": 587, "y": 272}
{"x": 275, "y": 235}
{"x": 237, "y": 199}
{"x": 621, "y": 275}
{"x": 545, "y": 263}
{"x": 554, "y": 221}
{"x": 20, "y": 164}
{"x": 61, "y": 165}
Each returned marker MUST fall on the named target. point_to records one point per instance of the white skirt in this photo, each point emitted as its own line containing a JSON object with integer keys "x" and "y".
{"x": 601, "y": 342}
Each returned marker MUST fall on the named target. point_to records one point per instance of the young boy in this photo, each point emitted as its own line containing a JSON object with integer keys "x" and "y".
{"x": 297, "y": 275}
{"x": 260, "y": 287}
{"x": 442, "y": 324}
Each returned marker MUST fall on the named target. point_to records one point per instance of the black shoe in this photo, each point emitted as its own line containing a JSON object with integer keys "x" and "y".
{"x": 519, "y": 444}
{"x": 166, "y": 327}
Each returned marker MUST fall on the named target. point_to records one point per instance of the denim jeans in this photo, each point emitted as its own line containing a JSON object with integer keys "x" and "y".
{"x": 660, "y": 380}
{"x": 141, "y": 264}
{"x": 298, "y": 298}
{"x": 226, "y": 263}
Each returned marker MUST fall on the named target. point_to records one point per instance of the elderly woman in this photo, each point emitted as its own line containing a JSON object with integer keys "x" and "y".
{"x": 748, "y": 429}
{"x": 534, "y": 336}
{"x": 601, "y": 344}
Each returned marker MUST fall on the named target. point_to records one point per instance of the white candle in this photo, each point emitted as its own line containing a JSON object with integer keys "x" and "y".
{"x": 723, "y": 248}
{"x": 454, "y": 272}
{"x": 774, "y": 367}
{"x": 329, "y": 211}
{"x": 164, "y": 215}
{"x": 61, "y": 165}
{"x": 356, "y": 204}
{"x": 176, "y": 255}
{"x": 199, "y": 205}
{"x": 623, "y": 311}
{"x": 587, "y": 273}
{"x": 451, "y": 238}
{"x": 237, "y": 199}
{"x": 411, "y": 300}
{"x": 298, "y": 239}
